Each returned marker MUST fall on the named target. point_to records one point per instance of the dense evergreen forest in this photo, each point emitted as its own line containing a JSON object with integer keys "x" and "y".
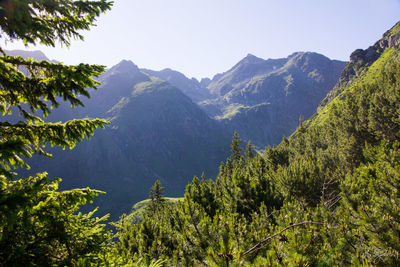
{"x": 327, "y": 195}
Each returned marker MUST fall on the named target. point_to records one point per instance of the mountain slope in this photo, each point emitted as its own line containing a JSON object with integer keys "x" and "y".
{"x": 264, "y": 99}
{"x": 242, "y": 72}
{"x": 155, "y": 132}
{"x": 190, "y": 87}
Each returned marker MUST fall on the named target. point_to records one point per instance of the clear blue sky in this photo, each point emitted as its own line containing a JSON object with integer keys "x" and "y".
{"x": 203, "y": 37}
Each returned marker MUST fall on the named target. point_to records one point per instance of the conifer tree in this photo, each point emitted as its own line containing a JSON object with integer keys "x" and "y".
{"x": 235, "y": 147}
{"x": 249, "y": 150}
{"x": 38, "y": 224}
{"x": 156, "y": 192}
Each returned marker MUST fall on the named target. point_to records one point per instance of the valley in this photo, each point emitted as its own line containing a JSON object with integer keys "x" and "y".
{"x": 165, "y": 126}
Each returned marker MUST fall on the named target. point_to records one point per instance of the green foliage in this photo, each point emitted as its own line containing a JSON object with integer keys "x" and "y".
{"x": 45, "y": 85}
{"x": 157, "y": 200}
{"x": 47, "y": 21}
{"x": 156, "y": 192}
{"x": 235, "y": 147}
{"x": 25, "y": 94}
{"x": 140, "y": 208}
{"x": 249, "y": 150}
{"x": 328, "y": 195}
{"x": 40, "y": 226}
{"x": 371, "y": 197}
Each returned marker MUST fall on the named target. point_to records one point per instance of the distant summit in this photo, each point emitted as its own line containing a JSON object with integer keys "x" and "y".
{"x": 125, "y": 69}
{"x": 242, "y": 72}
{"x": 125, "y": 66}
{"x": 251, "y": 59}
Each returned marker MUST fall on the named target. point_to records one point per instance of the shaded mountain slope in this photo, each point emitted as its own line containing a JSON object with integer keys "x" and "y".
{"x": 155, "y": 132}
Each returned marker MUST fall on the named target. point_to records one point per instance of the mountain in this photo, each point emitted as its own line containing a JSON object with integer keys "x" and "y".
{"x": 116, "y": 83}
{"x": 155, "y": 132}
{"x": 237, "y": 77}
{"x": 264, "y": 99}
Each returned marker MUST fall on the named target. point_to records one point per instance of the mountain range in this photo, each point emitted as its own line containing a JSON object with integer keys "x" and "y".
{"x": 262, "y": 99}
{"x": 166, "y": 126}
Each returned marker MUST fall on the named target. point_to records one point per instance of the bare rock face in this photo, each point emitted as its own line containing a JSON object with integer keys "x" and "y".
{"x": 361, "y": 59}
{"x": 368, "y": 55}
{"x": 394, "y": 40}
{"x": 390, "y": 39}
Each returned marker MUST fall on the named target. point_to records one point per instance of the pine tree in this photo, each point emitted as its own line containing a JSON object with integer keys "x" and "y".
{"x": 38, "y": 224}
{"x": 235, "y": 147}
{"x": 156, "y": 192}
{"x": 249, "y": 150}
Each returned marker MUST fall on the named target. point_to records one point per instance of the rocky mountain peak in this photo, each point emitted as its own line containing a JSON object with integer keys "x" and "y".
{"x": 251, "y": 59}
{"x": 125, "y": 66}
{"x": 307, "y": 61}
{"x": 307, "y": 55}
{"x": 124, "y": 72}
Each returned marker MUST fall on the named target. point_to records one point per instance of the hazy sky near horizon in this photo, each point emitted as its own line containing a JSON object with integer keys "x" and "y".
{"x": 201, "y": 38}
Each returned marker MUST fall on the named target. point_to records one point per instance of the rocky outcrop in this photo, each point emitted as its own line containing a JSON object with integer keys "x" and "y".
{"x": 361, "y": 59}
